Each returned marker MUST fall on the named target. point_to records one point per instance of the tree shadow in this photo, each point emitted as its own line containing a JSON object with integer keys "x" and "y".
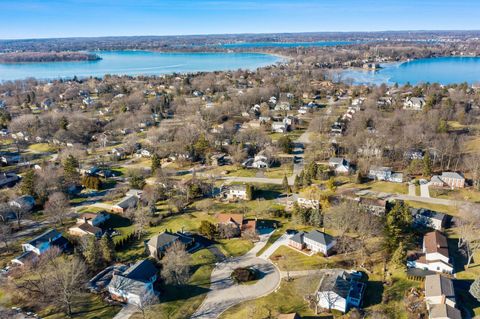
{"x": 466, "y": 302}
{"x": 373, "y": 293}
{"x": 183, "y": 292}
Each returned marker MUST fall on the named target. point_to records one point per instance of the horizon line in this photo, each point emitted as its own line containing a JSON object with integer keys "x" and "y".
{"x": 236, "y": 34}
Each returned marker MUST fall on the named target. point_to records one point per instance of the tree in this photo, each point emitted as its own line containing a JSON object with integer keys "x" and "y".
{"x": 141, "y": 220}
{"x": 91, "y": 252}
{"x": 57, "y": 207}
{"x": 207, "y": 229}
{"x": 297, "y": 184}
{"x": 70, "y": 168}
{"x": 27, "y": 186}
{"x": 176, "y": 265}
{"x": 156, "y": 162}
{"x": 427, "y": 165}
{"x": 107, "y": 249}
{"x": 397, "y": 225}
{"x": 67, "y": 277}
{"x": 285, "y": 144}
{"x": 137, "y": 181}
{"x": 331, "y": 184}
{"x": 285, "y": 186}
{"x": 399, "y": 256}
{"x": 475, "y": 289}
{"x": 6, "y": 235}
{"x": 92, "y": 182}
{"x": 249, "y": 191}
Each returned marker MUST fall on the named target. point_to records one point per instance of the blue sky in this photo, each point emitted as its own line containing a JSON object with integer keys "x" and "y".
{"x": 69, "y": 18}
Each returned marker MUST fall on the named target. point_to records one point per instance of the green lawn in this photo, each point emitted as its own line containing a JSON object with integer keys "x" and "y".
{"x": 450, "y": 210}
{"x": 289, "y": 298}
{"x": 387, "y": 187}
{"x": 463, "y": 194}
{"x": 287, "y": 258}
{"x": 234, "y": 247}
{"x": 41, "y": 148}
{"x": 89, "y": 306}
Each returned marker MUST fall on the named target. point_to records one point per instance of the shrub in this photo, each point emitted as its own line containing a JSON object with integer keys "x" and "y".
{"x": 240, "y": 275}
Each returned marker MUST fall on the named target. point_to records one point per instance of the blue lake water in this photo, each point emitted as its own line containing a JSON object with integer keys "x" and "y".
{"x": 445, "y": 70}
{"x": 286, "y": 44}
{"x": 137, "y": 63}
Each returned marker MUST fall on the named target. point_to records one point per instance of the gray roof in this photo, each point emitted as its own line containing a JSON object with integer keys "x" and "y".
{"x": 142, "y": 270}
{"x": 128, "y": 202}
{"x": 319, "y": 237}
{"x": 45, "y": 237}
{"x": 337, "y": 281}
{"x": 431, "y": 214}
{"x": 337, "y": 160}
{"x": 452, "y": 175}
{"x": 298, "y": 237}
{"x": 167, "y": 238}
{"x": 380, "y": 169}
{"x": 444, "y": 311}
{"x": 437, "y": 285}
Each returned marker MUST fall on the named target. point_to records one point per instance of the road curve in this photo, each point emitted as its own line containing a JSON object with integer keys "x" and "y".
{"x": 224, "y": 293}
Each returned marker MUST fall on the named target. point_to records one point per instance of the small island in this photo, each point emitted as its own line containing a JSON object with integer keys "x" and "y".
{"x": 32, "y": 57}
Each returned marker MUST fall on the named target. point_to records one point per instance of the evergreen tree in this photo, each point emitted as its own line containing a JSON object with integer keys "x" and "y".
{"x": 249, "y": 192}
{"x": 201, "y": 146}
{"x": 285, "y": 186}
{"x": 316, "y": 218}
{"x": 70, "y": 168}
{"x": 427, "y": 165}
{"x": 285, "y": 144}
{"x": 156, "y": 162}
{"x": 107, "y": 249}
{"x": 399, "y": 256}
{"x": 397, "y": 225}
{"x": 331, "y": 184}
{"x": 297, "y": 184}
{"x": 475, "y": 289}
{"x": 27, "y": 187}
{"x": 207, "y": 229}
{"x": 92, "y": 252}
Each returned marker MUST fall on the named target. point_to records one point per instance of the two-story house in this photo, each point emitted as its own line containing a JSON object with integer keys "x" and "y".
{"x": 315, "y": 241}
{"x": 434, "y": 256}
{"x": 39, "y": 245}
{"x": 440, "y": 298}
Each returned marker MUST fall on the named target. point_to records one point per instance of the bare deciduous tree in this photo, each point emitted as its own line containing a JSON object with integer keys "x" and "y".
{"x": 176, "y": 264}
{"x": 57, "y": 207}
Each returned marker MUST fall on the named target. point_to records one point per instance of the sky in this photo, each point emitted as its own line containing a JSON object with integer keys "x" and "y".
{"x": 74, "y": 18}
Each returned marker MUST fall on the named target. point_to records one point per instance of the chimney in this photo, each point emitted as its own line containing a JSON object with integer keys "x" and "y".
{"x": 85, "y": 220}
{"x": 443, "y": 300}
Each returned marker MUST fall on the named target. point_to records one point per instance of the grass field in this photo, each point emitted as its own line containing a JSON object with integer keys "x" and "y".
{"x": 89, "y": 306}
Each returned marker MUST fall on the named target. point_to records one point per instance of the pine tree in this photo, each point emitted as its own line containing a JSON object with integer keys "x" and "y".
{"x": 316, "y": 218}
{"x": 156, "y": 162}
{"x": 297, "y": 184}
{"x": 107, "y": 249}
{"x": 331, "y": 184}
{"x": 400, "y": 256}
{"x": 27, "y": 187}
{"x": 285, "y": 186}
{"x": 475, "y": 289}
{"x": 427, "y": 165}
{"x": 92, "y": 252}
{"x": 70, "y": 168}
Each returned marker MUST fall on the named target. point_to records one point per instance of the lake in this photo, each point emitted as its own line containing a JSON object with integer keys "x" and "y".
{"x": 137, "y": 63}
{"x": 445, "y": 70}
{"x": 286, "y": 44}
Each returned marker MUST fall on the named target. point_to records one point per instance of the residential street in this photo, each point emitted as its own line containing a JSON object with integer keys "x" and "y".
{"x": 224, "y": 293}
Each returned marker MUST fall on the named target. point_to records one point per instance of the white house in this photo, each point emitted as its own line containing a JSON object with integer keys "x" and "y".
{"x": 279, "y": 127}
{"x": 451, "y": 179}
{"x": 428, "y": 218}
{"x": 414, "y": 103}
{"x": 339, "y": 164}
{"x": 39, "y": 245}
{"x": 385, "y": 174}
{"x": 135, "y": 284}
{"x": 435, "y": 256}
{"x": 315, "y": 240}
{"x": 308, "y": 203}
{"x": 234, "y": 192}
{"x": 339, "y": 290}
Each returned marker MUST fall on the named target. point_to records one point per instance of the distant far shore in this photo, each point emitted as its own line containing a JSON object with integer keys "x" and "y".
{"x": 32, "y": 57}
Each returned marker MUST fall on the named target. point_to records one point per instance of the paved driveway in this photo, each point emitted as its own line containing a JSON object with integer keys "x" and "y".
{"x": 224, "y": 293}
{"x": 126, "y": 312}
{"x": 424, "y": 191}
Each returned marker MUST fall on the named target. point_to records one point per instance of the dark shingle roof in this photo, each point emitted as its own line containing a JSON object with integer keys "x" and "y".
{"x": 45, "y": 237}
{"x": 142, "y": 270}
{"x": 319, "y": 237}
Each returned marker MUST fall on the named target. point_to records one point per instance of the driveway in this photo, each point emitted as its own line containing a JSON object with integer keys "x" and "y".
{"x": 424, "y": 191}
{"x": 411, "y": 189}
{"x": 270, "y": 250}
{"x": 126, "y": 312}
{"x": 224, "y": 293}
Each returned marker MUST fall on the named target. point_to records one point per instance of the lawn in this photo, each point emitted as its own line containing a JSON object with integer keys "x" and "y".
{"x": 89, "y": 306}
{"x": 41, "y": 148}
{"x": 288, "y": 298}
{"x": 287, "y": 258}
{"x": 234, "y": 247}
{"x": 279, "y": 172}
{"x": 181, "y": 302}
{"x": 450, "y": 210}
{"x": 463, "y": 194}
{"x": 387, "y": 187}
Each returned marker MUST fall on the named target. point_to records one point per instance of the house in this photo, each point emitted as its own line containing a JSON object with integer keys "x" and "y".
{"x": 260, "y": 161}
{"x": 414, "y": 103}
{"x": 8, "y": 179}
{"x": 374, "y": 206}
{"x": 88, "y": 224}
{"x": 218, "y": 159}
{"x": 440, "y": 297}
{"x": 428, "y": 218}
{"x": 337, "y": 128}
{"x": 9, "y": 158}
{"x": 316, "y": 241}
{"x": 235, "y": 192}
{"x": 279, "y": 127}
{"x": 413, "y": 154}
{"x": 434, "y": 256}
{"x": 39, "y": 245}
{"x": 385, "y": 174}
{"x": 158, "y": 244}
{"x": 118, "y": 152}
{"x": 283, "y": 106}
{"x": 451, "y": 179}
{"x": 339, "y": 290}
{"x": 135, "y": 284}
{"x": 129, "y": 201}
{"x": 24, "y": 203}
{"x": 340, "y": 165}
